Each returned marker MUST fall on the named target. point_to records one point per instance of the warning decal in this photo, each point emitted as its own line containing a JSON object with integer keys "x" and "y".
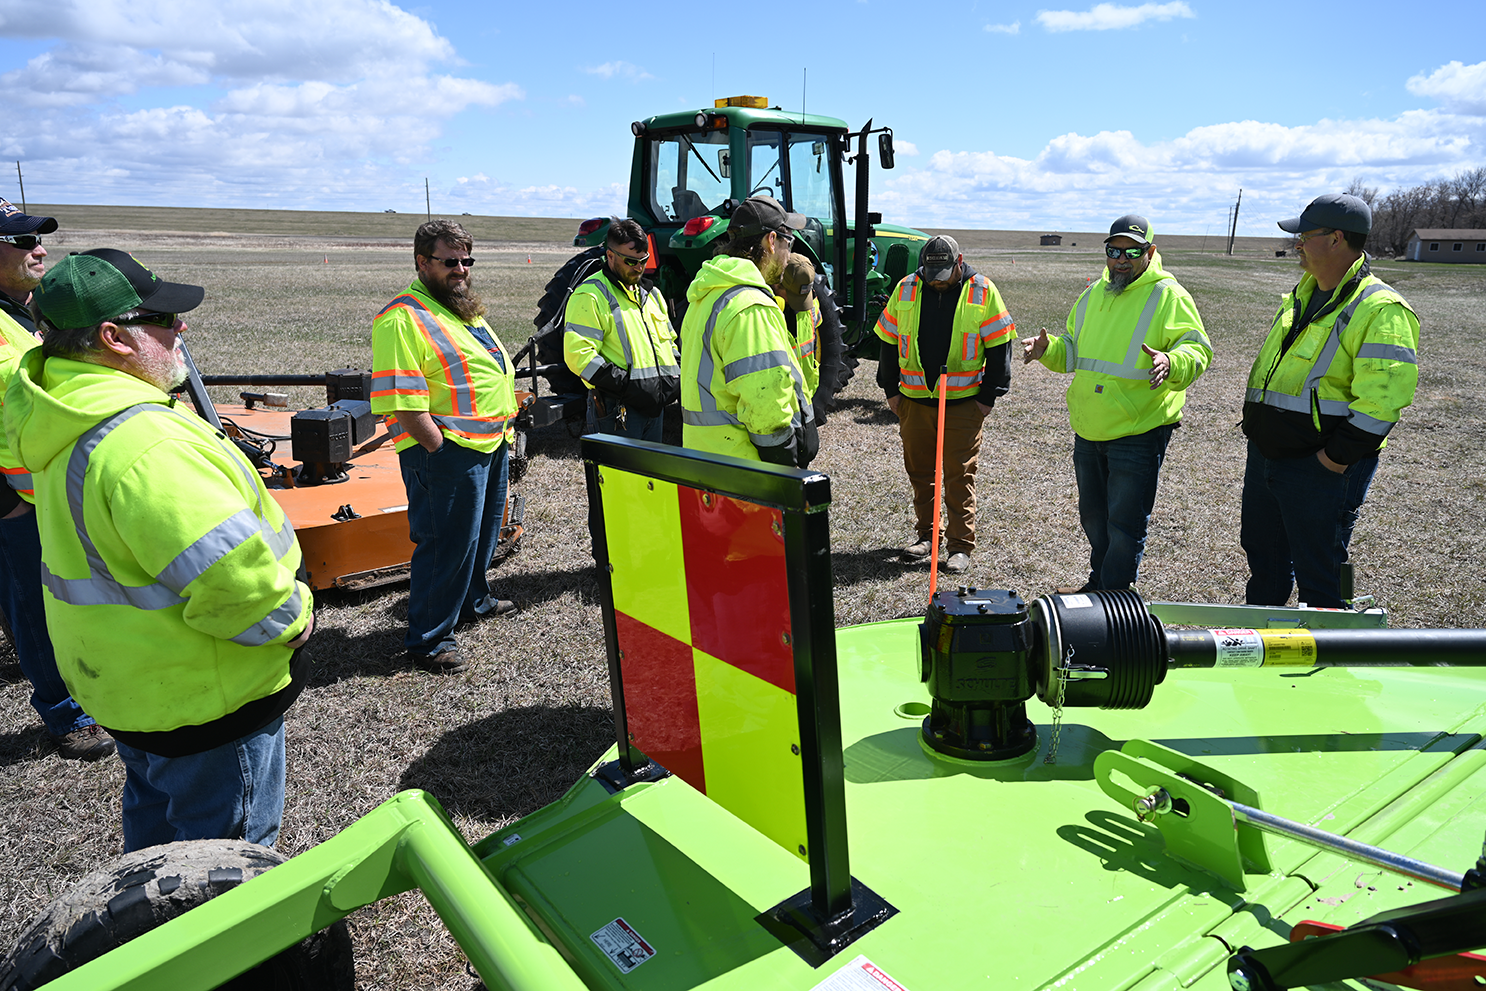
{"x": 859, "y": 975}
{"x": 1289, "y": 648}
{"x": 623, "y": 945}
{"x": 1238, "y": 649}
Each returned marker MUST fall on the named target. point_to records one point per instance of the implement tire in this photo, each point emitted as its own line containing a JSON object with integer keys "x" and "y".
{"x": 147, "y": 888}
{"x": 548, "y": 320}
{"x": 836, "y": 366}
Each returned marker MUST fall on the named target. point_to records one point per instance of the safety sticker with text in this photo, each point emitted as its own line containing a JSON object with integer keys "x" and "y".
{"x": 1288, "y": 648}
{"x": 623, "y": 945}
{"x": 1238, "y": 649}
{"x": 859, "y": 975}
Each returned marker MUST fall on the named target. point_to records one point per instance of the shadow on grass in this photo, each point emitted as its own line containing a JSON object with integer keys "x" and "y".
{"x": 25, "y": 745}
{"x": 873, "y": 412}
{"x": 513, "y": 763}
{"x": 850, "y": 568}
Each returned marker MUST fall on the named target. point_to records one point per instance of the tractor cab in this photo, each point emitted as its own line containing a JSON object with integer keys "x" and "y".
{"x": 690, "y": 169}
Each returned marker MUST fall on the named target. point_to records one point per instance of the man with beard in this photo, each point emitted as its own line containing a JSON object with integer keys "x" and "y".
{"x": 742, "y": 391}
{"x": 1335, "y": 373}
{"x": 169, "y": 570}
{"x": 1134, "y": 343}
{"x": 77, "y": 736}
{"x": 439, "y": 370}
{"x": 618, "y": 339}
{"x": 944, "y": 316}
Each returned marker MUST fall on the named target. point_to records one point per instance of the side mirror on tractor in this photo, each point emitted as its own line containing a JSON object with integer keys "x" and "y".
{"x": 885, "y": 149}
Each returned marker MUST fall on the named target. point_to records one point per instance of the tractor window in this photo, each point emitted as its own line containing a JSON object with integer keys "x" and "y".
{"x": 686, "y": 175}
{"x": 765, "y": 175}
{"x": 810, "y": 176}
{"x": 803, "y": 183}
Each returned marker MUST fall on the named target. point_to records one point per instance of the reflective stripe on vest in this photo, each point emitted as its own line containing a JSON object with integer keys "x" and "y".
{"x": 19, "y": 479}
{"x": 710, "y": 415}
{"x": 400, "y": 382}
{"x": 462, "y": 396}
{"x": 978, "y": 288}
{"x": 1130, "y": 368}
{"x": 101, "y": 588}
{"x": 1322, "y": 365}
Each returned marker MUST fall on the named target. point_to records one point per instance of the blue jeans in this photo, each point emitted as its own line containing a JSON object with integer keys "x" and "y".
{"x": 1298, "y": 517}
{"x": 456, "y": 504}
{"x": 25, "y": 610}
{"x": 232, "y": 792}
{"x": 1116, "y": 493}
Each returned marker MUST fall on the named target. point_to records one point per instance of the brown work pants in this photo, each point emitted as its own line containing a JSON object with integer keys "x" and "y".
{"x": 917, "y": 426}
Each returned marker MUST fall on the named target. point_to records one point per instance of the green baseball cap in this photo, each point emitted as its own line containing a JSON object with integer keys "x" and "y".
{"x": 83, "y": 290}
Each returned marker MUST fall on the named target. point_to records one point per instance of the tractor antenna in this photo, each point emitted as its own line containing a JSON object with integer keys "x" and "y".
{"x": 804, "y": 80}
{"x": 714, "y": 77}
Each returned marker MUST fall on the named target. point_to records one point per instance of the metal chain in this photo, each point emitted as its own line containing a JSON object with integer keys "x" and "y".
{"x": 1061, "y": 674}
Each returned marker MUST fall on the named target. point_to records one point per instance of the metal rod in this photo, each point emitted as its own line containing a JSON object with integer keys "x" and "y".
{"x": 1332, "y": 648}
{"x": 1376, "y": 856}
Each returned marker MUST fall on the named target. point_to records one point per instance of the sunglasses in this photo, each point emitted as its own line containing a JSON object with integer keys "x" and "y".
{"x": 786, "y": 236}
{"x": 1302, "y": 238}
{"x": 455, "y": 262}
{"x": 26, "y": 242}
{"x": 635, "y": 260}
{"x": 165, "y": 320}
{"x": 1130, "y": 253}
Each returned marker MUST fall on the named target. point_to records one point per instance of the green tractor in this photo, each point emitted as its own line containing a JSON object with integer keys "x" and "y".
{"x": 691, "y": 168}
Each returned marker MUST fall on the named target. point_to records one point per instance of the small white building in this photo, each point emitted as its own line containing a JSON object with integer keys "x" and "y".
{"x": 1460, "y": 246}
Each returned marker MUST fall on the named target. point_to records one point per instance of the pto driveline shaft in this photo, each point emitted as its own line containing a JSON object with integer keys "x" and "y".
{"x": 1326, "y": 648}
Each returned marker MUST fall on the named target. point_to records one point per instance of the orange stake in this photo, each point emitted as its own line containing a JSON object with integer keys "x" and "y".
{"x": 938, "y": 484}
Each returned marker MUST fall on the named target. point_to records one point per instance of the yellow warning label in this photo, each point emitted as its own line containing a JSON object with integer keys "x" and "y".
{"x": 1288, "y": 647}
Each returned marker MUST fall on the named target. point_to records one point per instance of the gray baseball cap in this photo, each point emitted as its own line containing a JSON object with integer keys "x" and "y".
{"x": 761, "y": 214}
{"x": 938, "y": 258}
{"x": 1133, "y": 226}
{"x": 1338, "y": 211}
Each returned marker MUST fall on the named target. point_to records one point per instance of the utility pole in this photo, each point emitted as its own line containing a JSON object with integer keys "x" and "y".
{"x": 427, "y": 203}
{"x": 1233, "y": 227}
{"x": 22, "y": 181}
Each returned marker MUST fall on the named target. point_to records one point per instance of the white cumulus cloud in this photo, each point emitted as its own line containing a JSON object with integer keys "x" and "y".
{"x": 1015, "y": 27}
{"x": 1111, "y": 17}
{"x": 1460, "y": 88}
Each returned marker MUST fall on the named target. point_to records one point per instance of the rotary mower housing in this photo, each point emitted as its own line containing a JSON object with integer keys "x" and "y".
{"x": 1077, "y": 791}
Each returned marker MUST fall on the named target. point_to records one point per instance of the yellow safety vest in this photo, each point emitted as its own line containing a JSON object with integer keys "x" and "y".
{"x": 981, "y": 322}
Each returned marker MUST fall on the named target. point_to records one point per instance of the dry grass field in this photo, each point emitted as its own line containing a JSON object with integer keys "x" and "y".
{"x": 532, "y": 712}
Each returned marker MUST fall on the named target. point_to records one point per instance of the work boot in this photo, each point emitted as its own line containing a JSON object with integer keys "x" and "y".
{"x": 444, "y": 662}
{"x": 958, "y": 561}
{"x": 919, "y": 548}
{"x": 85, "y": 743}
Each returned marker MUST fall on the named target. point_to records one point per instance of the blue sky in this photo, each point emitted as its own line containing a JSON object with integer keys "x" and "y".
{"x": 1007, "y": 115}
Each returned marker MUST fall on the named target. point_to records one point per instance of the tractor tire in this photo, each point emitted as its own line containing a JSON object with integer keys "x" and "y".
{"x": 147, "y": 888}
{"x": 836, "y": 366}
{"x": 548, "y": 320}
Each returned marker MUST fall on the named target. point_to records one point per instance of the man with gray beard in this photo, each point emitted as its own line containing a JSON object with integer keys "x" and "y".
{"x": 1134, "y": 343}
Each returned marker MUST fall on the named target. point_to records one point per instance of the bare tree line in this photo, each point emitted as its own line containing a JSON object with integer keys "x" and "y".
{"x": 1456, "y": 203}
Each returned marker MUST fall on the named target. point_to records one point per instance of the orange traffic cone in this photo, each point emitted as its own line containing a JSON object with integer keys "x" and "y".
{"x": 528, "y": 259}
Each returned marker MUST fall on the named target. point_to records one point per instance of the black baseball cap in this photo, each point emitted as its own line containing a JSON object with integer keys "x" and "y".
{"x": 1133, "y": 226}
{"x": 938, "y": 258}
{"x": 1338, "y": 211}
{"x": 13, "y": 221}
{"x": 85, "y": 290}
{"x": 761, "y": 214}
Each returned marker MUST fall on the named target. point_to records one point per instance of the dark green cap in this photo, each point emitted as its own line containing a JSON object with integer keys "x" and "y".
{"x": 85, "y": 290}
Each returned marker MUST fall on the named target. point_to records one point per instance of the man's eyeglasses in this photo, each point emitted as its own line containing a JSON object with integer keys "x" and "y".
{"x": 1302, "y": 238}
{"x": 1131, "y": 253}
{"x": 457, "y": 262}
{"x": 165, "y": 320}
{"x": 787, "y": 236}
{"x": 638, "y": 261}
{"x": 26, "y": 242}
